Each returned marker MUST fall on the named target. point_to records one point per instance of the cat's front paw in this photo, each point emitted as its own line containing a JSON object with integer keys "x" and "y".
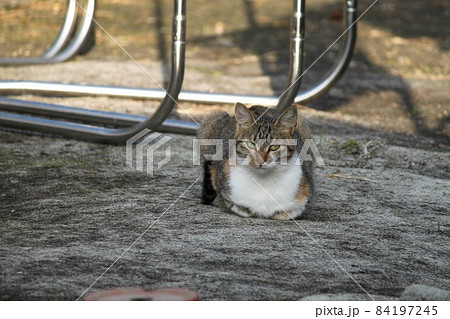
{"x": 282, "y": 216}
{"x": 241, "y": 211}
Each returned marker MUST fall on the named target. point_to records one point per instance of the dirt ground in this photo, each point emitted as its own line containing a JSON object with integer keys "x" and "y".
{"x": 379, "y": 221}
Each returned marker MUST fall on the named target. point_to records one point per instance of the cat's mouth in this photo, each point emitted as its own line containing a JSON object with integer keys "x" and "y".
{"x": 262, "y": 167}
{"x": 266, "y": 167}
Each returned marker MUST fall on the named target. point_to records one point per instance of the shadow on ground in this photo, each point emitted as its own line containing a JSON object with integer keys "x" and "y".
{"x": 414, "y": 34}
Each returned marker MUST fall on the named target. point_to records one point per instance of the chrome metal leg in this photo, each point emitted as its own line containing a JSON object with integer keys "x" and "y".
{"x": 296, "y": 69}
{"x": 297, "y": 57}
{"x": 63, "y": 49}
{"x": 345, "y": 55}
{"x": 64, "y": 34}
{"x": 102, "y": 134}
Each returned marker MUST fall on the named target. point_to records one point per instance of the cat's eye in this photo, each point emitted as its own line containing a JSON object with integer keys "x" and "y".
{"x": 274, "y": 147}
{"x": 250, "y": 144}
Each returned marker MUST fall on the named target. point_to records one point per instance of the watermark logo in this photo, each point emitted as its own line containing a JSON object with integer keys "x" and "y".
{"x": 216, "y": 149}
{"x": 142, "y": 148}
{"x": 146, "y": 153}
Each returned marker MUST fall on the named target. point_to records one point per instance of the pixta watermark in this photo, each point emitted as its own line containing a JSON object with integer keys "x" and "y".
{"x": 222, "y": 149}
{"x": 142, "y": 148}
{"x": 147, "y": 151}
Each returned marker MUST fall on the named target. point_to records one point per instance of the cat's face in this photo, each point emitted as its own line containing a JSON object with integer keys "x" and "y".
{"x": 264, "y": 138}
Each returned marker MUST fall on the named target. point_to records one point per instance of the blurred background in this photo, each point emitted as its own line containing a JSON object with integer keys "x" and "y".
{"x": 399, "y": 78}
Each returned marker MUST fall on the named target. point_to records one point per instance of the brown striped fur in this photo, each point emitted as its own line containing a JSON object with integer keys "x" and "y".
{"x": 269, "y": 124}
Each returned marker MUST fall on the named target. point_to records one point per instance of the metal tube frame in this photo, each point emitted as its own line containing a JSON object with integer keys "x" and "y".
{"x": 287, "y": 98}
{"x": 102, "y": 134}
{"x": 297, "y": 57}
{"x": 63, "y": 48}
{"x": 87, "y": 115}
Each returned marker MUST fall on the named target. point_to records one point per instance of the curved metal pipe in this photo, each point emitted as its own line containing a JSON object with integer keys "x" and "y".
{"x": 76, "y": 44}
{"x": 100, "y": 117}
{"x": 90, "y": 116}
{"x": 64, "y": 34}
{"x": 297, "y": 57}
{"x": 71, "y": 49}
{"x": 70, "y": 113}
{"x": 102, "y": 134}
{"x": 345, "y": 55}
{"x": 180, "y": 127}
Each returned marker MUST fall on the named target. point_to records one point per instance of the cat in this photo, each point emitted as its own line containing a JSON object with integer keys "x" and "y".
{"x": 261, "y": 176}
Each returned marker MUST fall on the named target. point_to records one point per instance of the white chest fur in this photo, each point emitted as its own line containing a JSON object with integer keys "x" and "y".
{"x": 265, "y": 193}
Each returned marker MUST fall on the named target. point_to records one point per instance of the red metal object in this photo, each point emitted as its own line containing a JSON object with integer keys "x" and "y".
{"x": 137, "y": 294}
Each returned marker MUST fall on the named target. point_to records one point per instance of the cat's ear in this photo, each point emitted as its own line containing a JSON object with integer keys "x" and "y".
{"x": 243, "y": 115}
{"x": 288, "y": 120}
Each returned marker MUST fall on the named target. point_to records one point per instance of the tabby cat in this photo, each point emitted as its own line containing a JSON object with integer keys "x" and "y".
{"x": 261, "y": 176}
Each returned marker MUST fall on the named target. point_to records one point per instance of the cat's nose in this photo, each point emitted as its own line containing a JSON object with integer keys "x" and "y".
{"x": 260, "y": 160}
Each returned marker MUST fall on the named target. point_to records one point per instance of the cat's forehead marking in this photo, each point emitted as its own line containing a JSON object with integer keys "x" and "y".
{"x": 264, "y": 119}
{"x": 264, "y": 130}
{"x": 264, "y": 127}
